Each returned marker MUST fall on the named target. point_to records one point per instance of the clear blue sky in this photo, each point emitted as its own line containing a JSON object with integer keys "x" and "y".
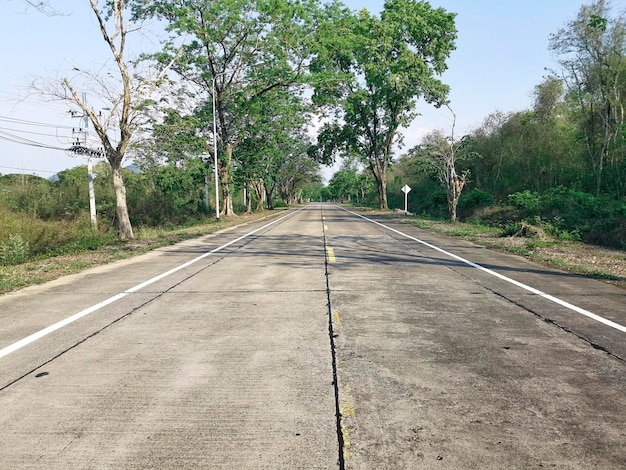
{"x": 502, "y": 53}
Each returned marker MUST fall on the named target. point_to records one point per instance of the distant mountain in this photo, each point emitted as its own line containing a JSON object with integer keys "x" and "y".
{"x": 132, "y": 167}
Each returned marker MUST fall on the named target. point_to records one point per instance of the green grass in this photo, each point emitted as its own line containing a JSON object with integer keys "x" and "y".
{"x": 76, "y": 246}
{"x": 457, "y": 229}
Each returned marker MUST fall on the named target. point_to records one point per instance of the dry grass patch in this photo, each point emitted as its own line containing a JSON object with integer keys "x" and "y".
{"x": 46, "y": 269}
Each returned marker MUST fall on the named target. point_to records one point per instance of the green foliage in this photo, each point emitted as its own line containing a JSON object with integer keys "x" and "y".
{"x": 527, "y": 201}
{"x": 591, "y": 50}
{"x": 313, "y": 192}
{"x": 344, "y": 185}
{"x": 568, "y": 215}
{"x": 371, "y": 71}
{"x": 86, "y": 238}
{"x": 242, "y": 57}
{"x": 28, "y": 194}
{"x": 475, "y": 198}
{"x": 14, "y": 251}
{"x": 53, "y": 236}
{"x": 281, "y": 163}
{"x": 511, "y": 229}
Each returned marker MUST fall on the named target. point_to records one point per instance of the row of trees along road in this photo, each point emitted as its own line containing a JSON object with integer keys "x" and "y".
{"x": 560, "y": 163}
{"x": 257, "y": 63}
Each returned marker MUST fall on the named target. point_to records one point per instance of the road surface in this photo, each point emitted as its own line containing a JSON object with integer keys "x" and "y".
{"x": 315, "y": 339}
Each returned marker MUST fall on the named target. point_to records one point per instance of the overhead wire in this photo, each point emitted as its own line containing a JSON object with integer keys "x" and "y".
{"x": 22, "y": 140}
{"x": 8, "y": 134}
{"x": 28, "y": 169}
{"x": 27, "y": 132}
{"x": 32, "y": 123}
{"x": 10, "y": 103}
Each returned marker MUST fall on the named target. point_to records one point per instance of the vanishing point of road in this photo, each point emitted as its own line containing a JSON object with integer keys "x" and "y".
{"x": 316, "y": 338}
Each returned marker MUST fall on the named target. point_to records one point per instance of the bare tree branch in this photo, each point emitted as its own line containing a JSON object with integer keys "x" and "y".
{"x": 45, "y": 8}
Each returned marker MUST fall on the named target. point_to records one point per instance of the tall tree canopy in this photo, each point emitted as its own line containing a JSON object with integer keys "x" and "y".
{"x": 591, "y": 50}
{"x": 371, "y": 71}
{"x": 234, "y": 52}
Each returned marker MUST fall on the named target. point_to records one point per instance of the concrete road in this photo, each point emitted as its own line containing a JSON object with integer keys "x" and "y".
{"x": 315, "y": 340}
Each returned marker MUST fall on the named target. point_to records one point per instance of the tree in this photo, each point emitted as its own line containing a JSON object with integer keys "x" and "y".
{"x": 264, "y": 163}
{"x": 234, "y": 52}
{"x": 125, "y": 99}
{"x": 591, "y": 50}
{"x": 440, "y": 154}
{"x": 371, "y": 71}
{"x": 298, "y": 172}
{"x": 345, "y": 182}
{"x": 173, "y": 139}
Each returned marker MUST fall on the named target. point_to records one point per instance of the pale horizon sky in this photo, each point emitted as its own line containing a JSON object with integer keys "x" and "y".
{"x": 501, "y": 55}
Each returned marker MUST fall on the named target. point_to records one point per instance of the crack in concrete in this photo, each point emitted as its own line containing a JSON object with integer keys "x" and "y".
{"x": 551, "y": 321}
{"x": 333, "y": 352}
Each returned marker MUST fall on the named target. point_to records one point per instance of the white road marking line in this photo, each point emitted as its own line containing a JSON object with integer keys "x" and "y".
{"x": 549, "y": 297}
{"x": 46, "y": 331}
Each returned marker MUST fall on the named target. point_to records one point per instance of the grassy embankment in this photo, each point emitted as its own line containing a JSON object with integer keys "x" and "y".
{"x": 47, "y": 250}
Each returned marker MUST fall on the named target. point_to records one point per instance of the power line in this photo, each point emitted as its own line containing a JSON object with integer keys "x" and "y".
{"x": 28, "y": 169}
{"x": 27, "y": 132}
{"x": 21, "y": 140}
{"x": 32, "y": 123}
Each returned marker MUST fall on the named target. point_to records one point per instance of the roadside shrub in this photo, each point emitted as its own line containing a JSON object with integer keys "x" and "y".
{"x": 611, "y": 232}
{"x": 91, "y": 240}
{"x": 471, "y": 203}
{"x": 511, "y": 229}
{"x": 558, "y": 228}
{"x": 14, "y": 251}
{"x": 475, "y": 220}
{"x": 55, "y": 236}
{"x": 582, "y": 216}
{"x": 475, "y": 198}
{"x": 528, "y": 201}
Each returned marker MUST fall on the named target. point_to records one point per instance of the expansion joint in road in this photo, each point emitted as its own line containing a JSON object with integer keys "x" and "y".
{"x": 331, "y": 335}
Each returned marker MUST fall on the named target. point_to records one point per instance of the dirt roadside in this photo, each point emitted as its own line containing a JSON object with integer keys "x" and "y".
{"x": 596, "y": 262}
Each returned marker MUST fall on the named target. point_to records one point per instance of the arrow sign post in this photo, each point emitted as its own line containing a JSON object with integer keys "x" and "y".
{"x": 406, "y": 189}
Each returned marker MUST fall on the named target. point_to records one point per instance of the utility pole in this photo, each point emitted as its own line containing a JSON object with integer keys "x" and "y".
{"x": 79, "y": 147}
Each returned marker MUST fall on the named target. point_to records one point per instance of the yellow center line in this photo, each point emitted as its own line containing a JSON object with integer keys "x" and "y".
{"x": 330, "y": 254}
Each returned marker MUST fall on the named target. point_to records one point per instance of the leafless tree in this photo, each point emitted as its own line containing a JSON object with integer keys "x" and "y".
{"x": 440, "y": 154}
{"x": 122, "y": 89}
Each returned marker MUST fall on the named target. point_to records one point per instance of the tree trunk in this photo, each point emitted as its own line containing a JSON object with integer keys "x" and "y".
{"x": 248, "y": 197}
{"x": 452, "y": 209}
{"x": 124, "y": 226}
{"x": 454, "y": 188}
{"x": 227, "y": 197}
{"x": 379, "y": 170}
{"x": 269, "y": 196}
{"x": 259, "y": 191}
{"x": 382, "y": 193}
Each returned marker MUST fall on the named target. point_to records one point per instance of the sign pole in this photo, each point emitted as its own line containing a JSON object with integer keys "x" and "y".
{"x": 406, "y": 189}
